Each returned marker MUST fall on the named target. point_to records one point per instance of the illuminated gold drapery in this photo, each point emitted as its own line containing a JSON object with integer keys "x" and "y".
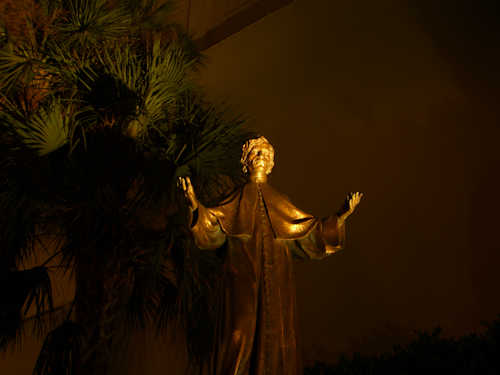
{"x": 257, "y": 327}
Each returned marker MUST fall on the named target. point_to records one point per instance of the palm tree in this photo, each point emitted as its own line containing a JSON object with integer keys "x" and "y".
{"x": 98, "y": 119}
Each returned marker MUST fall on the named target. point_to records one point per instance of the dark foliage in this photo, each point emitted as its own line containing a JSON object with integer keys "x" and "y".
{"x": 428, "y": 354}
{"x": 99, "y": 116}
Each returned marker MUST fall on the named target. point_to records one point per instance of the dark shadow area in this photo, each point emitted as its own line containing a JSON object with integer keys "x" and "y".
{"x": 428, "y": 353}
{"x": 379, "y": 340}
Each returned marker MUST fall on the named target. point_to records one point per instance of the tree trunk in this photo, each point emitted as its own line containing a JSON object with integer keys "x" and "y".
{"x": 97, "y": 311}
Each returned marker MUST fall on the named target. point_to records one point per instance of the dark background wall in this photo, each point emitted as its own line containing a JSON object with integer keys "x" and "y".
{"x": 397, "y": 99}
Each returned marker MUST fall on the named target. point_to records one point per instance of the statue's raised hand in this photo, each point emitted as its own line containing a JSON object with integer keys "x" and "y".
{"x": 187, "y": 188}
{"x": 349, "y": 205}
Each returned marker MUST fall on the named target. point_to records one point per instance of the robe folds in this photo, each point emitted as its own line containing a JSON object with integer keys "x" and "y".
{"x": 260, "y": 231}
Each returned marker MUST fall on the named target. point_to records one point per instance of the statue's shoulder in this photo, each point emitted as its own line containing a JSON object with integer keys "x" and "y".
{"x": 231, "y": 194}
{"x": 270, "y": 193}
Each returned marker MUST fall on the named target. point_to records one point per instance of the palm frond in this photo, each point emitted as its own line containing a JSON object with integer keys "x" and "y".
{"x": 154, "y": 22}
{"x": 18, "y": 227}
{"x": 141, "y": 306}
{"x": 166, "y": 79}
{"x": 211, "y": 145}
{"x": 95, "y": 219}
{"x": 157, "y": 79}
{"x": 94, "y": 230}
{"x": 98, "y": 118}
{"x": 50, "y": 7}
{"x": 18, "y": 201}
{"x": 20, "y": 291}
{"x": 50, "y": 128}
{"x": 191, "y": 305}
{"x": 153, "y": 15}
{"x": 16, "y": 69}
{"x": 91, "y": 22}
{"x": 61, "y": 351}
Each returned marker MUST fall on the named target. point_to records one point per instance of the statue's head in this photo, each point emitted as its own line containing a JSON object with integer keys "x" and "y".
{"x": 257, "y": 154}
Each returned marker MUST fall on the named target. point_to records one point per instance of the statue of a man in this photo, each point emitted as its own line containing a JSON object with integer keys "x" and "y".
{"x": 261, "y": 230}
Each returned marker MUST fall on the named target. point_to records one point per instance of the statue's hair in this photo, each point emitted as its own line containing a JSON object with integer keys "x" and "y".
{"x": 247, "y": 147}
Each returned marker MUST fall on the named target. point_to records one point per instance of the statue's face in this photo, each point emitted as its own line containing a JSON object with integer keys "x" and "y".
{"x": 258, "y": 158}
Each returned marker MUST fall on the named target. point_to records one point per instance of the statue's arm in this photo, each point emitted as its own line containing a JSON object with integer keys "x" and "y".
{"x": 187, "y": 189}
{"x": 348, "y": 206}
{"x": 333, "y": 228}
{"x": 204, "y": 226}
{"x": 206, "y": 230}
{"x": 328, "y": 235}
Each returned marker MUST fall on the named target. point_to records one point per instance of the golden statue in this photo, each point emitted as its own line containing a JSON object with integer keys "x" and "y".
{"x": 257, "y": 325}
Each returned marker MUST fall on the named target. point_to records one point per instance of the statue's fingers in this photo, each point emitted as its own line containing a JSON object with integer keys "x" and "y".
{"x": 190, "y": 188}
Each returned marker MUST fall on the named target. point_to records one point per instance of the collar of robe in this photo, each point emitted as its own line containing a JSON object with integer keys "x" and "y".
{"x": 238, "y": 212}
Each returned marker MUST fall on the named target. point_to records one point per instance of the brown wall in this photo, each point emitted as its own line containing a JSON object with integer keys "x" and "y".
{"x": 397, "y": 99}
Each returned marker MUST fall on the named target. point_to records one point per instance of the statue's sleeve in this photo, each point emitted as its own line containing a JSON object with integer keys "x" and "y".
{"x": 206, "y": 230}
{"x": 325, "y": 238}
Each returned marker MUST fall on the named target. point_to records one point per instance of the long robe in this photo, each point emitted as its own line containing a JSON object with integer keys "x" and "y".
{"x": 257, "y": 326}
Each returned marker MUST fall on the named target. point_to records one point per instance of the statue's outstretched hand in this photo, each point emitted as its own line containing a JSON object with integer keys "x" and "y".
{"x": 187, "y": 188}
{"x": 349, "y": 205}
